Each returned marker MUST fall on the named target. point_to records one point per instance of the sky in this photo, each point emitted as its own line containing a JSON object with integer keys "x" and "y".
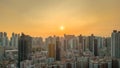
{"x": 45, "y": 17}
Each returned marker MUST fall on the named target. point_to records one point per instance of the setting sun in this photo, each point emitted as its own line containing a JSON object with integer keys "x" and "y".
{"x": 62, "y": 28}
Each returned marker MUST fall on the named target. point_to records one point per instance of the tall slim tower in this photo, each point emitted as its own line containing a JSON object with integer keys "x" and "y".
{"x": 24, "y": 48}
{"x": 96, "y": 47}
{"x": 81, "y": 43}
{"x": 14, "y": 40}
{"x": 91, "y": 43}
{"x": 51, "y": 50}
{"x": 58, "y": 49}
{"x": 4, "y": 42}
{"x": 115, "y": 44}
{"x": 54, "y": 49}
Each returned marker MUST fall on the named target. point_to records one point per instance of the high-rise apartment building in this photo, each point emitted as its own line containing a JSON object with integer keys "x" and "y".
{"x": 14, "y": 40}
{"x": 115, "y": 44}
{"x": 91, "y": 43}
{"x": 24, "y": 48}
{"x": 58, "y": 49}
{"x": 4, "y": 42}
{"x": 51, "y": 50}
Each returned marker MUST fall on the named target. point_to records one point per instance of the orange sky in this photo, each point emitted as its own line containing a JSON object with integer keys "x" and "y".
{"x": 44, "y": 17}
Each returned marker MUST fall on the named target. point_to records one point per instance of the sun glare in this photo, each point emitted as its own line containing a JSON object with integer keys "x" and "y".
{"x": 62, "y": 28}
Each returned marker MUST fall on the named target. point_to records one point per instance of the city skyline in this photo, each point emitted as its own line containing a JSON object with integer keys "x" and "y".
{"x": 70, "y": 51}
{"x": 59, "y": 33}
{"x": 45, "y": 18}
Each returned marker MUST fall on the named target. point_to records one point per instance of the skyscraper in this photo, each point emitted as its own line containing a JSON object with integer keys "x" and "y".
{"x": 91, "y": 43}
{"x": 51, "y": 50}
{"x": 95, "y": 43}
{"x": 67, "y": 42}
{"x": 4, "y": 39}
{"x": 58, "y": 49}
{"x": 81, "y": 42}
{"x": 95, "y": 47}
{"x": 14, "y": 40}
{"x": 115, "y": 44}
{"x": 24, "y": 48}
{"x": 54, "y": 48}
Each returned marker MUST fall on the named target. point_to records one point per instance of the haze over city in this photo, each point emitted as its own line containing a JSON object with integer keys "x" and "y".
{"x": 56, "y": 17}
{"x": 59, "y": 33}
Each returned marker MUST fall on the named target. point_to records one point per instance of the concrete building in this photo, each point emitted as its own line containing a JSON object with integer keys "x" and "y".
{"x": 115, "y": 44}
{"x": 24, "y": 48}
{"x": 4, "y": 42}
{"x": 58, "y": 49}
{"x": 14, "y": 40}
{"x": 51, "y": 51}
